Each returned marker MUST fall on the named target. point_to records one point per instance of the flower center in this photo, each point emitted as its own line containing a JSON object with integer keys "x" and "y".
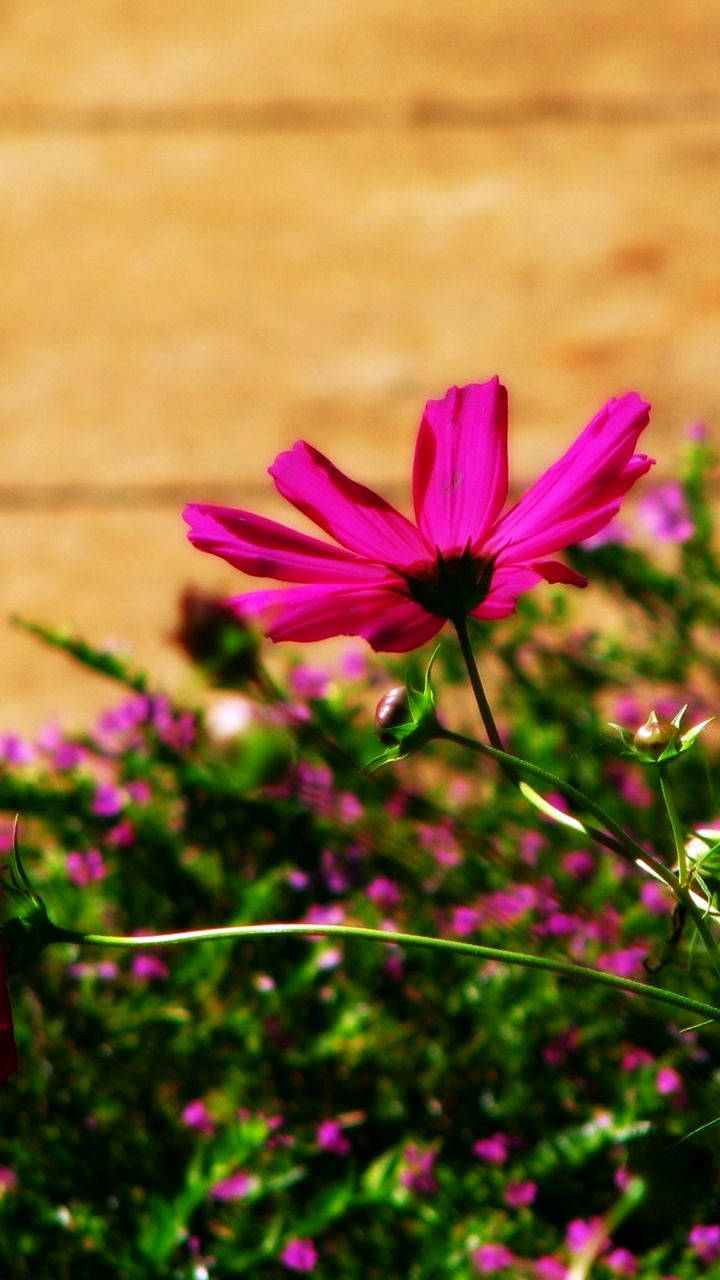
{"x": 453, "y": 585}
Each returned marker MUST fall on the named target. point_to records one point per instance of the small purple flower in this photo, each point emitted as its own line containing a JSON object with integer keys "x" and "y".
{"x": 85, "y": 868}
{"x": 330, "y": 1137}
{"x": 490, "y": 1258}
{"x": 635, "y": 1056}
{"x": 580, "y": 864}
{"x": 107, "y": 801}
{"x": 299, "y": 1255}
{"x": 549, "y": 1268}
{"x": 581, "y": 1231}
{"x": 494, "y": 1150}
{"x": 668, "y": 1081}
{"x": 233, "y": 1188}
{"x": 309, "y": 682}
{"x": 464, "y": 921}
{"x": 664, "y": 513}
{"x": 418, "y": 1173}
{"x": 384, "y": 893}
{"x": 196, "y": 1116}
{"x": 518, "y": 1195}
{"x": 626, "y": 963}
{"x": 705, "y": 1241}
{"x": 146, "y": 966}
{"x": 621, "y": 1262}
{"x": 298, "y": 879}
{"x": 14, "y": 751}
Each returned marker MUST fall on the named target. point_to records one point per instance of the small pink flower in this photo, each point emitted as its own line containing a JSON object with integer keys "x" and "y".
{"x": 394, "y": 582}
{"x": 621, "y": 1262}
{"x": 8, "y": 1179}
{"x": 635, "y": 1056}
{"x": 148, "y": 966}
{"x": 626, "y": 963}
{"x": 235, "y": 1187}
{"x": 655, "y": 898}
{"x": 581, "y": 1231}
{"x": 548, "y": 1268}
{"x": 518, "y": 1195}
{"x": 668, "y": 1081}
{"x": 580, "y": 864}
{"x": 299, "y": 1255}
{"x": 464, "y": 921}
{"x": 705, "y": 1241}
{"x": 384, "y": 893}
{"x": 196, "y": 1116}
{"x": 417, "y": 1173}
{"x": 494, "y": 1150}
{"x": 664, "y": 513}
{"x": 490, "y": 1258}
{"x": 85, "y": 868}
{"x": 107, "y": 801}
{"x": 13, "y": 750}
{"x": 330, "y": 1137}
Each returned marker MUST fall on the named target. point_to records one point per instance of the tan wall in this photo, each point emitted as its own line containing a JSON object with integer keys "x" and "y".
{"x": 226, "y": 226}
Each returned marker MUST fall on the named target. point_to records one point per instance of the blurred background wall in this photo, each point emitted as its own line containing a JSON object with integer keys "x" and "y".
{"x": 226, "y": 226}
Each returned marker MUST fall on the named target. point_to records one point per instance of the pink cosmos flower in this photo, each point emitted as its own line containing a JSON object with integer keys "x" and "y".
{"x": 394, "y": 582}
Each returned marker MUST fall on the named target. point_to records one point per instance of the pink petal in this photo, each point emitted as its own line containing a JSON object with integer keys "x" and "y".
{"x": 556, "y": 571}
{"x": 460, "y": 468}
{"x": 359, "y": 519}
{"x": 507, "y": 584}
{"x": 270, "y": 550}
{"x": 383, "y": 615}
{"x": 581, "y": 492}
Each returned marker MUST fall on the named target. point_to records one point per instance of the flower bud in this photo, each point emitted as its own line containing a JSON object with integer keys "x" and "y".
{"x": 392, "y": 709}
{"x": 653, "y": 737}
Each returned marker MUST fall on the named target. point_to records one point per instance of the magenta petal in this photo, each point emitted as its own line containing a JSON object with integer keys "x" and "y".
{"x": 270, "y": 550}
{"x": 385, "y": 617}
{"x": 556, "y": 571}
{"x": 359, "y": 519}
{"x": 581, "y": 492}
{"x": 460, "y": 468}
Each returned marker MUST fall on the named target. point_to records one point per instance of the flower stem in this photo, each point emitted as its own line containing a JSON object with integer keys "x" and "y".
{"x": 675, "y": 824}
{"x": 486, "y": 714}
{"x": 625, "y": 844}
{"x": 385, "y": 937}
{"x": 618, "y": 841}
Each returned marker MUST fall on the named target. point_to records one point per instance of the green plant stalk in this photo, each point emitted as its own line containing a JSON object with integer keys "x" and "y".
{"x": 619, "y": 840}
{"x": 677, "y": 831}
{"x": 386, "y": 937}
{"x": 630, "y": 849}
{"x": 530, "y": 794}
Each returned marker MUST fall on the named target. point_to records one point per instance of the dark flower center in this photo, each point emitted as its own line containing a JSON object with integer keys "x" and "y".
{"x": 453, "y": 586}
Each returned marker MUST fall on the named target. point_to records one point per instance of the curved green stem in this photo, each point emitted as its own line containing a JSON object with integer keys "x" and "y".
{"x": 630, "y": 849}
{"x": 677, "y": 830}
{"x": 451, "y": 945}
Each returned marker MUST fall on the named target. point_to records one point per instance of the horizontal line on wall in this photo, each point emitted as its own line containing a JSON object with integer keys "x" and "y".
{"x": 279, "y": 115}
{"x": 80, "y": 496}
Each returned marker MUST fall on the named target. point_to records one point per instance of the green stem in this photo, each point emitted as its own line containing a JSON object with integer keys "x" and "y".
{"x": 564, "y": 819}
{"x": 486, "y": 714}
{"x": 675, "y": 824}
{"x": 628, "y": 846}
{"x": 385, "y": 937}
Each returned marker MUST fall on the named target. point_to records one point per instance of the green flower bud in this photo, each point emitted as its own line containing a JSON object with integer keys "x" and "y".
{"x": 655, "y": 736}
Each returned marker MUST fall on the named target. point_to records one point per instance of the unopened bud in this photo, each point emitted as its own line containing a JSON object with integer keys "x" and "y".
{"x": 656, "y": 735}
{"x": 392, "y": 710}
